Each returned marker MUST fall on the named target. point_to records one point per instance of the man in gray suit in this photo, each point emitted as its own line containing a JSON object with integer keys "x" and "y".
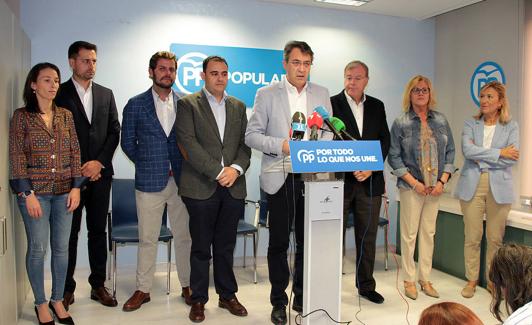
{"x": 210, "y": 133}
{"x": 268, "y": 131}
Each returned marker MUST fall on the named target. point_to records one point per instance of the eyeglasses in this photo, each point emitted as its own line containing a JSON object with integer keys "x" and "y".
{"x": 297, "y": 63}
{"x": 418, "y": 91}
{"x": 356, "y": 78}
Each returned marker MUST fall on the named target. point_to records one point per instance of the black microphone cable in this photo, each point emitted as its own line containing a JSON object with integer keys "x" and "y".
{"x": 291, "y": 236}
{"x": 361, "y": 251}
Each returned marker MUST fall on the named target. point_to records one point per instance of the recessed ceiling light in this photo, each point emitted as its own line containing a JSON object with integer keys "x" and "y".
{"x": 356, "y": 3}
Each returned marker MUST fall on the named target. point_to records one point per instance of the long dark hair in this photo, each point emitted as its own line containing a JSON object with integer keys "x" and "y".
{"x": 29, "y": 96}
{"x": 511, "y": 274}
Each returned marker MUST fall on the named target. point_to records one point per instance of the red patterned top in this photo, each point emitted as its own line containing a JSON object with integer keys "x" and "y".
{"x": 46, "y": 161}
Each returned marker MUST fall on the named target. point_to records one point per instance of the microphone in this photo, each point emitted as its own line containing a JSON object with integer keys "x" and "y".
{"x": 315, "y": 121}
{"x": 326, "y": 118}
{"x": 340, "y": 126}
{"x": 299, "y": 126}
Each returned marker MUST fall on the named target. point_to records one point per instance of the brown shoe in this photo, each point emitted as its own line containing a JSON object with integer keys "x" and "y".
{"x": 68, "y": 299}
{"x": 186, "y": 293}
{"x": 103, "y": 296}
{"x": 197, "y": 312}
{"x": 410, "y": 290}
{"x": 233, "y": 305}
{"x": 428, "y": 289}
{"x": 137, "y": 299}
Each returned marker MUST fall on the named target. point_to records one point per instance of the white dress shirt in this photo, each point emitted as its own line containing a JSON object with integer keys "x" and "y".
{"x": 219, "y": 111}
{"x": 358, "y": 111}
{"x": 85, "y": 95}
{"x": 297, "y": 100}
{"x": 165, "y": 111}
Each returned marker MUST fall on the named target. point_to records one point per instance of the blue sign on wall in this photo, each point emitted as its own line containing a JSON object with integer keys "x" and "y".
{"x": 249, "y": 68}
{"x": 484, "y": 73}
{"x": 335, "y": 156}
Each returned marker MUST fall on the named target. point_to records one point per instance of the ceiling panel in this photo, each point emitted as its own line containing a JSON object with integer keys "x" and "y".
{"x": 416, "y": 9}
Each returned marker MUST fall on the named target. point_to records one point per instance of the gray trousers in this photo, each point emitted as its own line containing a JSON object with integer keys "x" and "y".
{"x": 150, "y": 207}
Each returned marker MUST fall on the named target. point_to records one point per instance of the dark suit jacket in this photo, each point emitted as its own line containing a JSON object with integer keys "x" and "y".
{"x": 198, "y": 137}
{"x": 375, "y": 127}
{"x": 97, "y": 140}
{"x": 146, "y": 144}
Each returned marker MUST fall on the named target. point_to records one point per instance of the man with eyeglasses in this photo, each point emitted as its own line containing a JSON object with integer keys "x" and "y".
{"x": 149, "y": 140}
{"x": 365, "y": 119}
{"x": 268, "y": 131}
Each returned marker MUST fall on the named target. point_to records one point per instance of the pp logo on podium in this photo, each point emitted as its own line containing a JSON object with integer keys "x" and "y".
{"x": 306, "y": 156}
{"x": 486, "y": 72}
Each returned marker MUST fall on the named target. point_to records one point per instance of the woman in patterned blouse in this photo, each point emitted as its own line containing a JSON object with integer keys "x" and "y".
{"x": 421, "y": 156}
{"x": 45, "y": 166}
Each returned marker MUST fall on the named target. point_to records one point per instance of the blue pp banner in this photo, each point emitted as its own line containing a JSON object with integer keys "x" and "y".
{"x": 335, "y": 156}
{"x": 249, "y": 68}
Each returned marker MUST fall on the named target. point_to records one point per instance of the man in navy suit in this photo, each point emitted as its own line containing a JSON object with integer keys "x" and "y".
{"x": 365, "y": 119}
{"x": 96, "y": 118}
{"x": 149, "y": 140}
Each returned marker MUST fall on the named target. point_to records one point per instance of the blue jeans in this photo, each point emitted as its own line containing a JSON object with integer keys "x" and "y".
{"x": 55, "y": 223}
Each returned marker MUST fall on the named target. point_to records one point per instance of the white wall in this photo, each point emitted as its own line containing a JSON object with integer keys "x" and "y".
{"x": 486, "y": 31}
{"x": 128, "y": 32}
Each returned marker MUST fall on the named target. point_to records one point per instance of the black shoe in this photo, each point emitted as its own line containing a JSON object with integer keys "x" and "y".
{"x": 52, "y": 321}
{"x": 67, "y": 320}
{"x": 297, "y": 304}
{"x": 278, "y": 316}
{"x": 372, "y": 296}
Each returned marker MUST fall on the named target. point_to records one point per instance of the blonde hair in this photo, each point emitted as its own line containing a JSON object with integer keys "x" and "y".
{"x": 504, "y": 110}
{"x": 408, "y": 89}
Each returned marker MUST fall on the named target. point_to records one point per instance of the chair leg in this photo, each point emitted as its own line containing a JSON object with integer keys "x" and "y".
{"x": 245, "y": 240}
{"x": 255, "y": 257}
{"x": 109, "y": 265}
{"x": 114, "y": 269}
{"x": 386, "y": 248}
{"x": 169, "y": 266}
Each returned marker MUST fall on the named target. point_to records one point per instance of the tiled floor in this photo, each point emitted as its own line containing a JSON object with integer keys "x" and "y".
{"x": 171, "y": 309}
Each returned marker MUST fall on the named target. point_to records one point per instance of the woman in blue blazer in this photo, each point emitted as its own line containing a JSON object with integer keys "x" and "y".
{"x": 490, "y": 143}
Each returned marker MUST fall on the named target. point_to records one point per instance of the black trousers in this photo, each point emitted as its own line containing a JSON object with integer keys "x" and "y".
{"x": 95, "y": 200}
{"x": 366, "y": 210}
{"x": 286, "y": 207}
{"x": 213, "y": 223}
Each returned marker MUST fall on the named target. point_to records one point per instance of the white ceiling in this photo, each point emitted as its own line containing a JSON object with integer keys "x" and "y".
{"x": 416, "y": 9}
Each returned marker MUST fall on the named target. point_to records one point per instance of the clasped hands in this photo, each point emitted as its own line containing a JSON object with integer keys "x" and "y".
{"x": 421, "y": 189}
{"x": 92, "y": 169}
{"x": 227, "y": 177}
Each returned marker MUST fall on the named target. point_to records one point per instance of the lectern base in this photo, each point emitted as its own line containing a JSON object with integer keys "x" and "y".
{"x": 323, "y": 248}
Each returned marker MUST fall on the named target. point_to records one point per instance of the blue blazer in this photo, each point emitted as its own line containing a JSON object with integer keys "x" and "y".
{"x": 478, "y": 159}
{"x": 146, "y": 144}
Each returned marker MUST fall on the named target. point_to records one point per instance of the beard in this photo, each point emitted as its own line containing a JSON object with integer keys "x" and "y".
{"x": 164, "y": 84}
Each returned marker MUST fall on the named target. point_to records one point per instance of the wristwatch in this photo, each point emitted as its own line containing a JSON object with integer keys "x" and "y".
{"x": 25, "y": 194}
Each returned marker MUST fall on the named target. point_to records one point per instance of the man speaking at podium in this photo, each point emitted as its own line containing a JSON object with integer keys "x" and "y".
{"x": 365, "y": 119}
{"x": 269, "y": 132}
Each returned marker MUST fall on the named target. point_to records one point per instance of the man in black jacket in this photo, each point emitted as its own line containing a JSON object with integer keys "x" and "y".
{"x": 96, "y": 120}
{"x": 365, "y": 119}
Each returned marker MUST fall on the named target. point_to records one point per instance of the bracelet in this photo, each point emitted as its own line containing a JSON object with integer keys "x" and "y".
{"x": 415, "y": 184}
{"x": 442, "y": 183}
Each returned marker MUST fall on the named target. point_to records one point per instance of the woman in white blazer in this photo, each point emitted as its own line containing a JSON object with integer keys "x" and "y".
{"x": 490, "y": 144}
